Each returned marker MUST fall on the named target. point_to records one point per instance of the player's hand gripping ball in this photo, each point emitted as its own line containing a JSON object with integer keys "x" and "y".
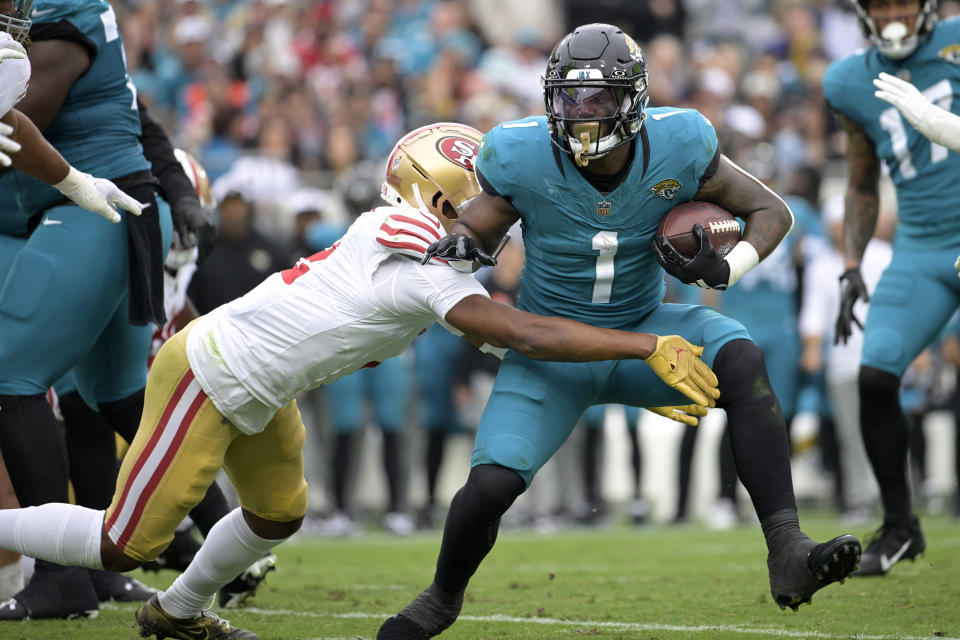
{"x": 693, "y": 239}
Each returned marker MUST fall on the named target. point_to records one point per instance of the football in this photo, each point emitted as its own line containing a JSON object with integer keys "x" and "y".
{"x": 677, "y": 226}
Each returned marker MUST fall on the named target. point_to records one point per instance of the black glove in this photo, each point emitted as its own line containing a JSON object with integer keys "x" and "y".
{"x": 852, "y": 289}
{"x": 457, "y": 246}
{"x": 193, "y": 225}
{"x": 707, "y": 269}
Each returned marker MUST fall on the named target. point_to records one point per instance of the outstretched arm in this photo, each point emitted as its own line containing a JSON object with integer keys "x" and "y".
{"x": 486, "y": 219}
{"x": 673, "y": 359}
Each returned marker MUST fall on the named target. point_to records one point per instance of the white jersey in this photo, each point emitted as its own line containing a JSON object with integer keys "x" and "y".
{"x": 821, "y": 304}
{"x": 355, "y": 304}
{"x": 14, "y": 77}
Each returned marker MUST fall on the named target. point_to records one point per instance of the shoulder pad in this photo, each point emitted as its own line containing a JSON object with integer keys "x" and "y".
{"x": 409, "y": 231}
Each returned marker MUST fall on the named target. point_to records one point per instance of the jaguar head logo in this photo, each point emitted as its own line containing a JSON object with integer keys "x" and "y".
{"x": 666, "y": 189}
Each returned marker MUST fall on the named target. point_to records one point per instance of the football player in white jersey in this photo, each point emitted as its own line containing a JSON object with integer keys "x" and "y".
{"x": 21, "y": 143}
{"x": 220, "y": 392}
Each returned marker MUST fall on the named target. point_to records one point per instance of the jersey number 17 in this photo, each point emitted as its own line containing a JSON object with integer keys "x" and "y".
{"x": 941, "y": 94}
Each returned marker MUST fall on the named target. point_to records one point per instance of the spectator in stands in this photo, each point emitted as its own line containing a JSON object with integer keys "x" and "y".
{"x": 242, "y": 258}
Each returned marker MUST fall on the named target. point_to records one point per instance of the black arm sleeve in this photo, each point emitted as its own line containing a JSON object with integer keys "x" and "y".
{"x": 174, "y": 183}
{"x": 63, "y": 30}
{"x": 488, "y": 188}
{"x": 711, "y": 169}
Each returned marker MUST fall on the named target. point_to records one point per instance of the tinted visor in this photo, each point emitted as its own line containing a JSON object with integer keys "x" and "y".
{"x": 589, "y": 103}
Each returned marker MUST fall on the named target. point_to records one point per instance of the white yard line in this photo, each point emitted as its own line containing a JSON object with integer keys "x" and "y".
{"x": 623, "y": 626}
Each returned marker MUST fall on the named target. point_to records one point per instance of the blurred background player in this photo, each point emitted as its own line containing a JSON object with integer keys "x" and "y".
{"x": 838, "y": 362}
{"x": 594, "y": 509}
{"x": 385, "y": 389}
{"x": 905, "y": 37}
{"x": 241, "y": 259}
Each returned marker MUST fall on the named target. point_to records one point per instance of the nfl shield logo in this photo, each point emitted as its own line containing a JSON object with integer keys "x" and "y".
{"x": 603, "y": 208}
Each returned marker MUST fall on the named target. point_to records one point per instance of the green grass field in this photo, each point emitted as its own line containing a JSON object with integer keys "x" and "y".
{"x": 658, "y": 582}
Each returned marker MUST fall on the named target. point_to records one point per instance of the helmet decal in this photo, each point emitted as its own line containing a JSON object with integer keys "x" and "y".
{"x": 458, "y": 150}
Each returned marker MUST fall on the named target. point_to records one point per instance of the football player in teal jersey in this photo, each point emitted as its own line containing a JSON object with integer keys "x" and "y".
{"x": 590, "y": 183}
{"x": 919, "y": 290}
{"x": 73, "y": 284}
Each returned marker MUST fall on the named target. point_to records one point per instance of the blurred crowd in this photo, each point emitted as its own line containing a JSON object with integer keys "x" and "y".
{"x": 292, "y": 107}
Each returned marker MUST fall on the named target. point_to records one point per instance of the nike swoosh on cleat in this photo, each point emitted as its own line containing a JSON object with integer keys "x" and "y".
{"x": 661, "y": 116}
{"x": 886, "y": 563}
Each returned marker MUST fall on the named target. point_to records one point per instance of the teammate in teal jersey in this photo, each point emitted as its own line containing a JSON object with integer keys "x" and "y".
{"x": 73, "y": 283}
{"x": 590, "y": 183}
{"x": 906, "y": 42}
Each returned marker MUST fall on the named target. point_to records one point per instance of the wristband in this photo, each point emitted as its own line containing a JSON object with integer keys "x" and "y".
{"x": 741, "y": 259}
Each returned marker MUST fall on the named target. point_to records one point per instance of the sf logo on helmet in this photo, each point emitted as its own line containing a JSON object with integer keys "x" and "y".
{"x": 459, "y": 151}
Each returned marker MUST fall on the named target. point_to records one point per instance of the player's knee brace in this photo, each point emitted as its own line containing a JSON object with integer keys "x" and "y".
{"x": 742, "y": 375}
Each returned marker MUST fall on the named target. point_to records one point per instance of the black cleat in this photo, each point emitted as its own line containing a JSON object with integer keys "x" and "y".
{"x": 799, "y": 572}
{"x": 116, "y": 587}
{"x": 235, "y": 593}
{"x": 178, "y": 555}
{"x": 400, "y": 628}
{"x": 430, "y": 613}
{"x": 63, "y": 593}
{"x": 891, "y": 544}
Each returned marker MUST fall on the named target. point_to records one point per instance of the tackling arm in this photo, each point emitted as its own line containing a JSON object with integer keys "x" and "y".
{"x": 486, "y": 219}
{"x": 673, "y": 359}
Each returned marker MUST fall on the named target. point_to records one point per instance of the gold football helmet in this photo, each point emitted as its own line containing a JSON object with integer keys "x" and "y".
{"x": 178, "y": 256}
{"x": 431, "y": 169}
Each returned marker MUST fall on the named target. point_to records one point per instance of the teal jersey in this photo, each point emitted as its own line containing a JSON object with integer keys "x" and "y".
{"x": 925, "y": 174}
{"x": 767, "y": 293}
{"x": 588, "y": 255}
{"x": 98, "y": 127}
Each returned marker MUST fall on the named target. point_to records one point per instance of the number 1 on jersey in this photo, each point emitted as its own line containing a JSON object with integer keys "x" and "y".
{"x": 606, "y": 243}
